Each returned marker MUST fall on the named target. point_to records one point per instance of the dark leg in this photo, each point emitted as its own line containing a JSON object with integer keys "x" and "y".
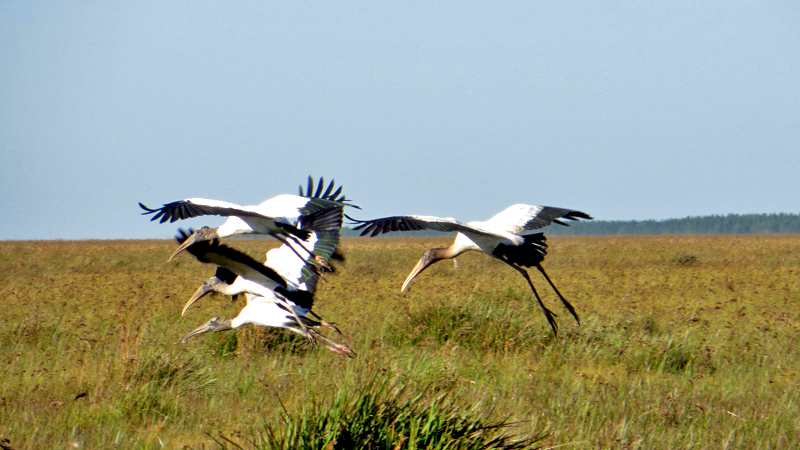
{"x": 302, "y": 258}
{"x": 288, "y": 308}
{"x": 325, "y": 322}
{"x": 547, "y": 313}
{"x": 341, "y": 349}
{"x": 563, "y": 300}
{"x": 316, "y": 264}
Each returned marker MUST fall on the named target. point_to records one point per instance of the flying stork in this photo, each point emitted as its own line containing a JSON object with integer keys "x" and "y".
{"x": 272, "y": 301}
{"x": 276, "y": 216}
{"x": 506, "y": 237}
{"x": 268, "y": 312}
{"x": 282, "y": 271}
{"x": 280, "y": 292}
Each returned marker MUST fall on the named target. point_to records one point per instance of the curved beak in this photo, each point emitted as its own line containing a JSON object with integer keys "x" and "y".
{"x": 204, "y": 289}
{"x": 215, "y": 324}
{"x": 423, "y": 263}
{"x": 204, "y": 328}
{"x": 203, "y": 234}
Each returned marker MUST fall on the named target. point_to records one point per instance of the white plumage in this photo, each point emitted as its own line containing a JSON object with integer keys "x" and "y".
{"x": 279, "y": 293}
{"x": 508, "y": 236}
{"x": 270, "y": 311}
{"x": 277, "y": 216}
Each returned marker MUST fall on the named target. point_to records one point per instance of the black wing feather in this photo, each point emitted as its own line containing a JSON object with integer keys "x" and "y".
{"x": 328, "y": 191}
{"x": 320, "y": 185}
{"x": 183, "y": 209}
{"x": 383, "y": 225}
{"x": 222, "y": 255}
{"x": 549, "y": 215}
{"x": 325, "y": 193}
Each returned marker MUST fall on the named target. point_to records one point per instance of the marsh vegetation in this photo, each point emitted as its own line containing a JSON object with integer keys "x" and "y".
{"x": 685, "y": 342}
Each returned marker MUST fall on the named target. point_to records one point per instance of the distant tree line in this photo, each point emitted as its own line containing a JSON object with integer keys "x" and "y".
{"x": 729, "y": 224}
{"x": 781, "y": 223}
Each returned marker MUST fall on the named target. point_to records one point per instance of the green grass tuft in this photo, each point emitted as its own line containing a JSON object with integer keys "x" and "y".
{"x": 381, "y": 415}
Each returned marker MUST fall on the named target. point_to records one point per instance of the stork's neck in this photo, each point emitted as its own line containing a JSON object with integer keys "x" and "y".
{"x": 445, "y": 253}
{"x": 229, "y": 289}
{"x": 233, "y": 226}
{"x": 461, "y": 244}
{"x": 455, "y": 249}
{"x": 241, "y": 319}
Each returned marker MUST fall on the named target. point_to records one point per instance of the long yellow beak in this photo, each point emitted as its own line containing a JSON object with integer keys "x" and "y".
{"x": 422, "y": 264}
{"x": 189, "y": 241}
{"x": 198, "y": 294}
{"x": 199, "y": 330}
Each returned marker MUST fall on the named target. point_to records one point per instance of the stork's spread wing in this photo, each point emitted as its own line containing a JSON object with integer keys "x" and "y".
{"x": 316, "y": 251}
{"x": 282, "y": 208}
{"x": 375, "y": 227}
{"x": 328, "y": 194}
{"x": 225, "y": 275}
{"x": 320, "y": 247}
{"x": 244, "y": 266}
{"x": 518, "y": 218}
{"x": 291, "y": 207}
{"x": 237, "y": 262}
{"x": 193, "y": 207}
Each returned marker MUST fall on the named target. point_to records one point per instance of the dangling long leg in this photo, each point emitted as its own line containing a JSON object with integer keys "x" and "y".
{"x": 291, "y": 247}
{"x": 315, "y": 262}
{"x": 547, "y": 313}
{"x": 284, "y": 304}
{"x": 341, "y": 349}
{"x": 563, "y": 300}
{"x": 325, "y": 323}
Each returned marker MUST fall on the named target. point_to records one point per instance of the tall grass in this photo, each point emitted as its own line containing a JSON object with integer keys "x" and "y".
{"x": 380, "y": 415}
{"x": 684, "y": 342}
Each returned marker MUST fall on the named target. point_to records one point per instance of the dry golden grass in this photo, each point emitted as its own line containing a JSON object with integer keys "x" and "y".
{"x": 685, "y": 342}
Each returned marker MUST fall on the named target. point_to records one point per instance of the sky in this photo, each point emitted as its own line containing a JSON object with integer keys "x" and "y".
{"x": 623, "y": 110}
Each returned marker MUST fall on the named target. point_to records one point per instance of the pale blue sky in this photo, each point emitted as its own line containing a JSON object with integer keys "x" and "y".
{"x": 637, "y": 110}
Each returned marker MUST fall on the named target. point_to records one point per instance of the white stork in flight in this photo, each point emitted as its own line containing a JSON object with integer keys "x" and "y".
{"x": 506, "y": 236}
{"x": 270, "y": 300}
{"x": 276, "y": 216}
{"x": 280, "y": 292}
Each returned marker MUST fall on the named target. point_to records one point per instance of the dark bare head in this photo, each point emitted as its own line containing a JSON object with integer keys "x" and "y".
{"x": 203, "y": 234}
{"x": 215, "y": 324}
{"x": 210, "y": 285}
{"x": 221, "y": 280}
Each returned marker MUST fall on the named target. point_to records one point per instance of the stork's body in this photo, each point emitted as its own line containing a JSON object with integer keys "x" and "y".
{"x": 508, "y": 236}
{"x": 269, "y": 311}
{"x": 280, "y": 292}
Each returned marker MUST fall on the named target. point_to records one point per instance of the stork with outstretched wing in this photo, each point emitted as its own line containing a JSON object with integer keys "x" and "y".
{"x": 277, "y": 216}
{"x": 279, "y": 292}
{"x": 508, "y": 236}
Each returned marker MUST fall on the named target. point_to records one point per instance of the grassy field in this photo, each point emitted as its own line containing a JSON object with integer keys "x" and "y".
{"x": 685, "y": 342}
